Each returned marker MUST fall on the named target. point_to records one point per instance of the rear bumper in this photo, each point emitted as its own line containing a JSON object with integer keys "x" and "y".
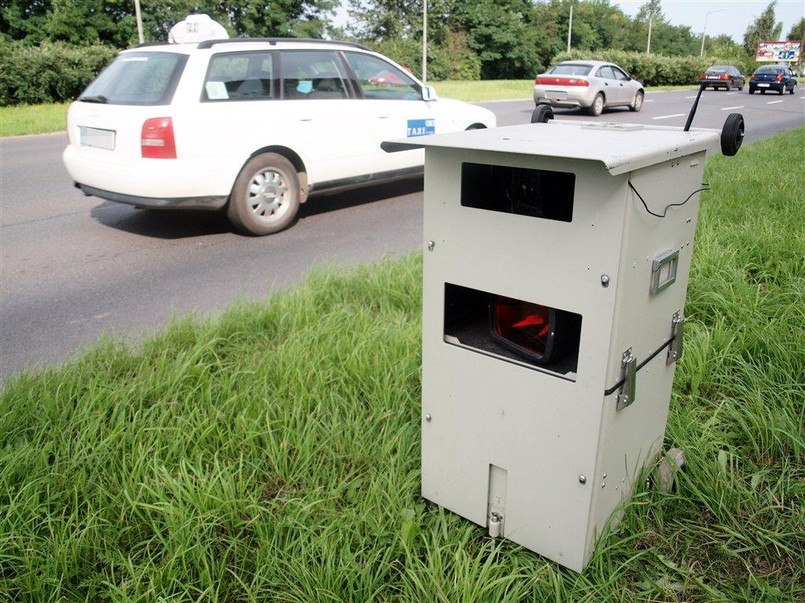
{"x": 776, "y": 86}
{"x": 202, "y": 203}
{"x": 567, "y": 97}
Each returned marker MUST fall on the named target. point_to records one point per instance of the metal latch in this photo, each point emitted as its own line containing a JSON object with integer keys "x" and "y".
{"x": 629, "y": 377}
{"x": 677, "y": 329}
{"x": 663, "y": 271}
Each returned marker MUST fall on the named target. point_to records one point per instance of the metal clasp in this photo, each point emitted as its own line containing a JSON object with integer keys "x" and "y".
{"x": 677, "y": 330}
{"x": 629, "y": 376}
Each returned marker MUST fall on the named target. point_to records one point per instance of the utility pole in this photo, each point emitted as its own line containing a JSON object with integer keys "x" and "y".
{"x": 570, "y": 25}
{"x": 425, "y": 41}
{"x": 139, "y": 21}
{"x": 648, "y": 44}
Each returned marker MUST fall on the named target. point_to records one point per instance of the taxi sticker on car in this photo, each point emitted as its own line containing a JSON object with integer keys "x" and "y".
{"x": 421, "y": 127}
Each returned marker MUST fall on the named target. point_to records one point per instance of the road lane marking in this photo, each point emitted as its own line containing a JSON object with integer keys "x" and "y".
{"x": 669, "y": 116}
{"x": 731, "y": 108}
{"x": 774, "y": 102}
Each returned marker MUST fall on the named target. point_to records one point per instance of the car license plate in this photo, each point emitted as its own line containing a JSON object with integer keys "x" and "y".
{"x": 713, "y": 77}
{"x": 762, "y": 85}
{"x": 95, "y": 137}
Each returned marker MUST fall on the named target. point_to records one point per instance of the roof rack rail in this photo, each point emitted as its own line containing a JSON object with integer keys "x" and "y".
{"x": 211, "y": 43}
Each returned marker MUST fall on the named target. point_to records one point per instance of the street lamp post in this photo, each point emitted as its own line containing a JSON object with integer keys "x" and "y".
{"x": 704, "y": 29}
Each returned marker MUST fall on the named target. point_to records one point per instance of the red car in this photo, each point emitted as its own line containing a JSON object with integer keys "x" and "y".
{"x": 722, "y": 76}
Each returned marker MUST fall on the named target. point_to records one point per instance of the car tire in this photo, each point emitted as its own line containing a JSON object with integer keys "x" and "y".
{"x": 597, "y": 108}
{"x": 763, "y": 91}
{"x": 751, "y": 90}
{"x": 793, "y": 89}
{"x": 265, "y": 198}
{"x": 732, "y": 134}
{"x": 728, "y": 87}
{"x": 637, "y": 103}
{"x": 541, "y": 114}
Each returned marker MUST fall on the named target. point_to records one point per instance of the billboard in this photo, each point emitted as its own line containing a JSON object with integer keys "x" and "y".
{"x": 786, "y": 50}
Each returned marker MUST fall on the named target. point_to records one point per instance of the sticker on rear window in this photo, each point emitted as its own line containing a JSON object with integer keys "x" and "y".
{"x": 421, "y": 127}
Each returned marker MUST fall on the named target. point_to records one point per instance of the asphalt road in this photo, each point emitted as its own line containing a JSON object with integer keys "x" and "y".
{"x": 75, "y": 267}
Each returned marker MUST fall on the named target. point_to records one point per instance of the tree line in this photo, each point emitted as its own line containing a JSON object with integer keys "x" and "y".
{"x": 467, "y": 39}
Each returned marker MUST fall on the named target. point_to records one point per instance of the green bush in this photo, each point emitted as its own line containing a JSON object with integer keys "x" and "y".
{"x": 655, "y": 69}
{"x": 454, "y": 60}
{"x": 48, "y": 73}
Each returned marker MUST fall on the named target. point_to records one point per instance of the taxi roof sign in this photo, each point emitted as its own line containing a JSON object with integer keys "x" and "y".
{"x": 196, "y": 28}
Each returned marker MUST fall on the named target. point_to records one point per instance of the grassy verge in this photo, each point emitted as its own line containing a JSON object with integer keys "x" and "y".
{"x": 272, "y": 454}
{"x": 33, "y": 119}
{"x": 42, "y": 119}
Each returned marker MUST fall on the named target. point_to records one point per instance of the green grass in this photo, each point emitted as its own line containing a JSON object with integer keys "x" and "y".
{"x": 33, "y": 119}
{"x": 477, "y": 91}
{"x": 272, "y": 454}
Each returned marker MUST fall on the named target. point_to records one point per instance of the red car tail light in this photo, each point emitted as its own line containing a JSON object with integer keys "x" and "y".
{"x": 561, "y": 81}
{"x": 541, "y": 334}
{"x": 157, "y": 140}
{"x": 723, "y": 76}
{"x": 779, "y": 77}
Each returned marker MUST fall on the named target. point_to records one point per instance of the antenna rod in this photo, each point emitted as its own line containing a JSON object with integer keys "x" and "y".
{"x": 693, "y": 109}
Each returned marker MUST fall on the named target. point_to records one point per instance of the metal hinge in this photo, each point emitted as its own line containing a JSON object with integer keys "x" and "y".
{"x": 677, "y": 330}
{"x": 629, "y": 377}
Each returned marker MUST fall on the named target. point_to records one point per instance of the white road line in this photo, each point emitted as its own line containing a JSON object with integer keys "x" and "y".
{"x": 689, "y": 97}
{"x": 669, "y": 116}
{"x": 774, "y": 102}
{"x": 731, "y": 108}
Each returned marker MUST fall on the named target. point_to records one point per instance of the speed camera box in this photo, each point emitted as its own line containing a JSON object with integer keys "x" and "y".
{"x": 555, "y": 273}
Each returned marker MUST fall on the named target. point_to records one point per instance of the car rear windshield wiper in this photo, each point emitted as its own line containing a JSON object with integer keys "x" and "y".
{"x": 94, "y": 99}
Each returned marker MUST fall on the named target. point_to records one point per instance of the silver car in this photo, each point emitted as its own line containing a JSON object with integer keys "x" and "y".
{"x": 590, "y": 85}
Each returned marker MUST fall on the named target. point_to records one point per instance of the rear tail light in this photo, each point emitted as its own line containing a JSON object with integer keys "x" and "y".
{"x": 724, "y": 76}
{"x": 779, "y": 77}
{"x": 562, "y": 81}
{"x": 157, "y": 140}
{"x": 541, "y": 334}
{"x": 702, "y": 76}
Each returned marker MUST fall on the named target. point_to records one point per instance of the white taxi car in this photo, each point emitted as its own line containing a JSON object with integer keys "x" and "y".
{"x": 251, "y": 125}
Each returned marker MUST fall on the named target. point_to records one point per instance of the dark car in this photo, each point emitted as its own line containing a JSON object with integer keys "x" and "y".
{"x": 722, "y": 76}
{"x": 773, "y": 77}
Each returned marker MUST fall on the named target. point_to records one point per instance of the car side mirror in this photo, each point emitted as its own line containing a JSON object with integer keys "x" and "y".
{"x": 429, "y": 93}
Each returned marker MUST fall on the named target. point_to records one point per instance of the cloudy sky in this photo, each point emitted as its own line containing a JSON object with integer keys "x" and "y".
{"x": 732, "y": 17}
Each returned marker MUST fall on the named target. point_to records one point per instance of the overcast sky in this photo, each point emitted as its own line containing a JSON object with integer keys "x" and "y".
{"x": 732, "y": 19}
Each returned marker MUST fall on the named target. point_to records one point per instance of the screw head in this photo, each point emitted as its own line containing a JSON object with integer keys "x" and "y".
{"x": 431, "y": 245}
{"x": 582, "y": 479}
{"x": 428, "y": 418}
{"x": 605, "y": 280}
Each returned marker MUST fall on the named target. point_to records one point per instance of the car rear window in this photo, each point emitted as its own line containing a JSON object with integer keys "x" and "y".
{"x": 137, "y": 78}
{"x": 769, "y": 69}
{"x": 571, "y": 69}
